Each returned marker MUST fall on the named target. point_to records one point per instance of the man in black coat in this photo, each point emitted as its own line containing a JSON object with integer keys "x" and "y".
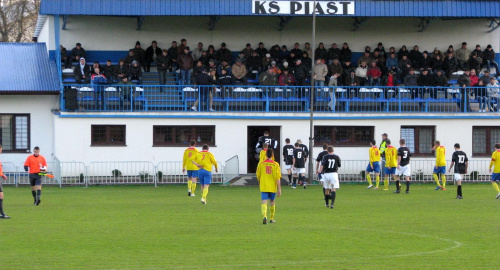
{"x": 224, "y": 54}
{"x": 75, "y": 55}
{"x": 450, "y": 64}
{"x": 152, "y": 52}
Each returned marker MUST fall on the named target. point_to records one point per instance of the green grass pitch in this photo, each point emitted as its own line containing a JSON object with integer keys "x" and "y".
{"x": 143, "y": 227}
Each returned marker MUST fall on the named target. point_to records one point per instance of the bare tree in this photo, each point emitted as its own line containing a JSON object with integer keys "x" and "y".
{"x": 18, "y": 19}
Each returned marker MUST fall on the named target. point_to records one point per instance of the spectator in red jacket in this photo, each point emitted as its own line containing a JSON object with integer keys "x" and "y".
{"x": 286, "y": 78}
{"x": 373, "y": 74}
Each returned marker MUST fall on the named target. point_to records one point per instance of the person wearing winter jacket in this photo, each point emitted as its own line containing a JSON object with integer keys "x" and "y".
{"x": 489, "y": 58}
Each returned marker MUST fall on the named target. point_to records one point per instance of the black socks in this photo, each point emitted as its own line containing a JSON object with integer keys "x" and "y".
{"x": 459, "y": 190}
{"x": 407, "y": 185}
{"x": 397, "y": 184}
{"x": 333, "y": 195}
{"x": 1, "y": 208}
{"x": 38, "y": 194}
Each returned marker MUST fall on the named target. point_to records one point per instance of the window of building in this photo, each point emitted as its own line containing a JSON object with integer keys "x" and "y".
{"x": 181, "y": 135}
{"x": 344, "y": 136}
{"x": 484, "y": 140}
{"x": 108, "y": 135}
{"x": 420, "y": 139}
{"x": 15, "y": 133}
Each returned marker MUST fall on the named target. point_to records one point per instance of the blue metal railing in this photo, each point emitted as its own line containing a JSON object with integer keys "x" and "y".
{"x": 240, "y": 98}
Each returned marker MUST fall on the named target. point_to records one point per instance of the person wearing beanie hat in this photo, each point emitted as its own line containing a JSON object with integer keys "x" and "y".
{"x": 489, "y": 59}
{"x": 437, "y": 52}
{"x": 135, "y": 72}
{"x": 140, "y": 54}
{"x": 266, "y": 61}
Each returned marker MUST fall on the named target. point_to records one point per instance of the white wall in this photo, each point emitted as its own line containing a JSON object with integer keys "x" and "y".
{"x": 119, "y": 33}
{"x": 41, "y": 120}
{"x": 73, "y": 137}
{"x": 47, "y": 34}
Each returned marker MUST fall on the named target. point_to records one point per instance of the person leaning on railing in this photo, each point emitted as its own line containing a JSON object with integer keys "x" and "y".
{"x": 481, "y": 95}
{"x": 98, "y": 79}
{"x": 204, "y": 82}
{"x": 464, "y": 83}
{"x": 493, "y": 95}
{"x": 125, "y": 91}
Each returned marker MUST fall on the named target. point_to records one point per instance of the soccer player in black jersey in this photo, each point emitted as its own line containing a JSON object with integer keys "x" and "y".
{"x": 461, "y": 162}
{"x": 299, "y": 165}
{"x": 288, "y": 159}
{"x": 266, "y": 139}
{"x": 318, "y": 162}
{"x": 330, "y": 163}
{"x": 403, "y": 168}
{"x": 304, "y": 148}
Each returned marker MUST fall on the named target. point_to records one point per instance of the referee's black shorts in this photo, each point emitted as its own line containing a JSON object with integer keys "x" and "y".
{"x": 35, "y": 179}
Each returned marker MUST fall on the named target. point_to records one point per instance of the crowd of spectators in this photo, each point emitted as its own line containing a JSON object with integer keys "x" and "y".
{"x": 280, "y": 66}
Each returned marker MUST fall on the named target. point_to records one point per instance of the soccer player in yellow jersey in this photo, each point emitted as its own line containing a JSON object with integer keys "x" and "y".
{"x": 374, "y": 165}
{"x": 204, "y": 161}
{"x": 269, "y": 177}
{"x": 192, "y": 170}
{"x": 440, "y": 167}
{"x": 495, "y": 162}
{"x": 391, "y": 162}
{"x": 262, "y": 155}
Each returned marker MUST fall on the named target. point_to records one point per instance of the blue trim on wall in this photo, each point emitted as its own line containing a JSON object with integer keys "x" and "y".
{"x": 166, "y": 116}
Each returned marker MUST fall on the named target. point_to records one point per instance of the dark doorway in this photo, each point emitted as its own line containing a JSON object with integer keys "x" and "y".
{"x": 253, "y": 134}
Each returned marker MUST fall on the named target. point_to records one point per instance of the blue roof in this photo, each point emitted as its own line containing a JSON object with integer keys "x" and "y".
{"x": 27, "y": 68}
{"x": 363, "y": 8}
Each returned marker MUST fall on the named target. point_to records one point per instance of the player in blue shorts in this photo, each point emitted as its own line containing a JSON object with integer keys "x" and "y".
{"x": 495, "y": 175}
{"x": 374, "y": 165}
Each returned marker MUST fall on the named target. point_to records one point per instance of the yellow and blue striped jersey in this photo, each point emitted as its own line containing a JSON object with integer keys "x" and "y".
{"x": 440, "y": 156}
{"x": 268, "y": 172}
{"x": 186, "y": 162}
{"x": 391, "y": 157}
{"x": 262, "y": 156}
{"x": 205, "y": 159}
{"x": 374, "y": 155}
{"x": 495, "y": 161}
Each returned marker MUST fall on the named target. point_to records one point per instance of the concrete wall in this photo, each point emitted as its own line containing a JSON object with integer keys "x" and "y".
{"x": 73, "y": 137}
{"x": 41, "y": 119}
{"x": 119, "y": 33}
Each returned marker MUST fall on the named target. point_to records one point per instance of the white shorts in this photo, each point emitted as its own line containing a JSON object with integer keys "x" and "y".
{"x": 299, "y": 170}
{"x": 458, "y": 177}
{"x": 331, "y": 180}
{"x": 404, "y": 170}
{"x": 288, "y": 167}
